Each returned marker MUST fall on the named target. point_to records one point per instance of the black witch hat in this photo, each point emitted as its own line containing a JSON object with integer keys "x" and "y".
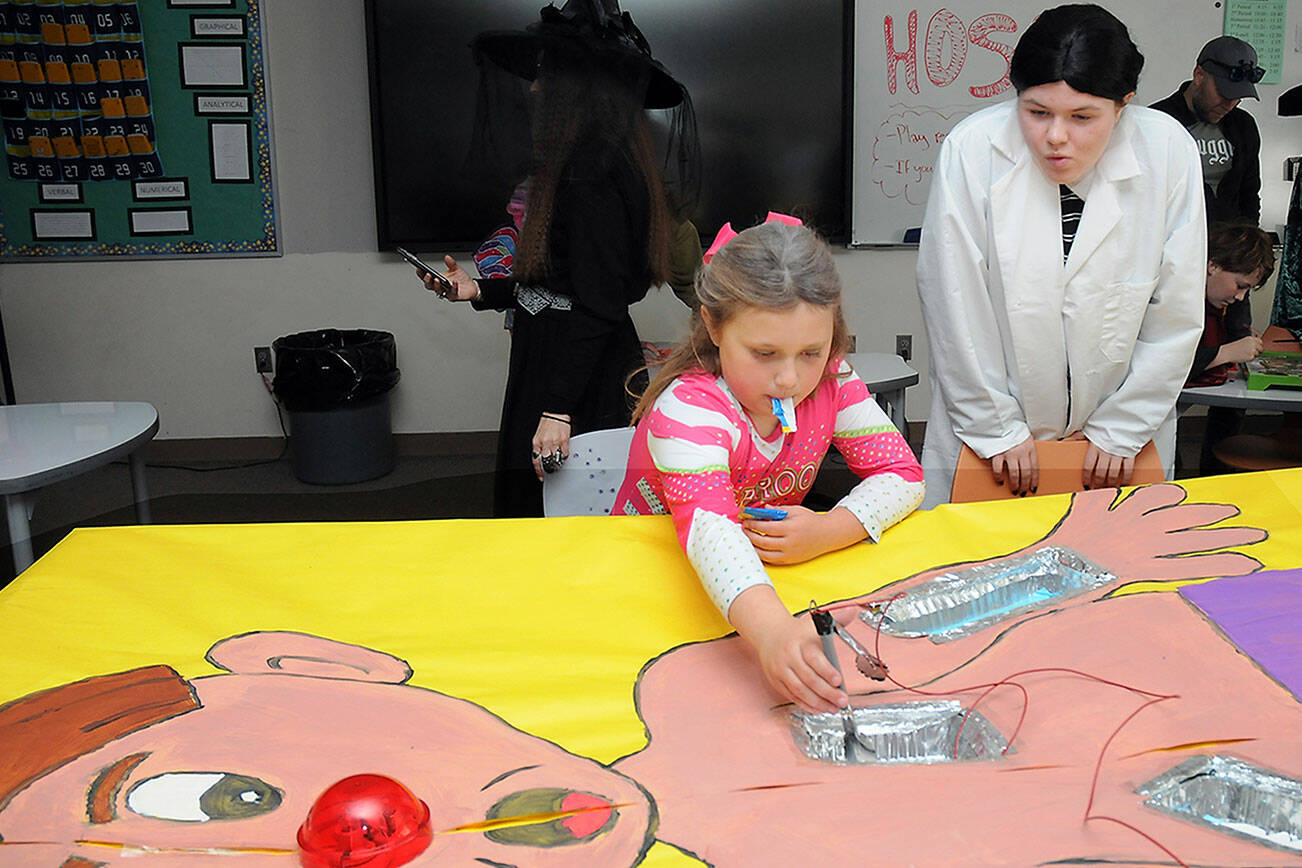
{"x": 590, "y": 28}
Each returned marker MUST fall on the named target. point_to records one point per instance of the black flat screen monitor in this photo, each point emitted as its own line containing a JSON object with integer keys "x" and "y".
{"x": 767, "y": 77}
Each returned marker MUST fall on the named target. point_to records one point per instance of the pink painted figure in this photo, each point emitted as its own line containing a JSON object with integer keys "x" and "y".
{"x": 234, "y": 762}
{"x": 149, "y": 765}
{"x": 733, "y": 788}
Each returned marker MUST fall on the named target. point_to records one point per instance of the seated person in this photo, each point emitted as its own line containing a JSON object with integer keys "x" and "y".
{"x": 1240, "y": 258}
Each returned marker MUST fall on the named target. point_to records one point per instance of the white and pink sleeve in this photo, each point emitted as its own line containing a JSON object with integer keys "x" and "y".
{"x": 691, "y": 433}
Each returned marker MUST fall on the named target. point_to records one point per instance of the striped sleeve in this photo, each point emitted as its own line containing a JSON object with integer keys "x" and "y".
{"x": 692, "y": 433}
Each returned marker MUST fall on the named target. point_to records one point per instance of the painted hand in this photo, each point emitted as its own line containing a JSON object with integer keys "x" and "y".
{"x": 1154, "y": 535}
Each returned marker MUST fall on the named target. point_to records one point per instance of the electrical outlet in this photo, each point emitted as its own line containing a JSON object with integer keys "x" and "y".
{"x": 904, "y": 346}
{"x": 851, "y": 344}
{"x": 262, "y": 358}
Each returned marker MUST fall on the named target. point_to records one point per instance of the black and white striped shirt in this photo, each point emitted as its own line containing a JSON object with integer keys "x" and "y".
{"x": 1072, "y": 207}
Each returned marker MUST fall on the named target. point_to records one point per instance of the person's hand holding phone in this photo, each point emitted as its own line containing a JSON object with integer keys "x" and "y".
{"x": 454, "y": 285}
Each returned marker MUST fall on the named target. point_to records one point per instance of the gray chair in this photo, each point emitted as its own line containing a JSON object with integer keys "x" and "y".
{"x": 586, "y": 484}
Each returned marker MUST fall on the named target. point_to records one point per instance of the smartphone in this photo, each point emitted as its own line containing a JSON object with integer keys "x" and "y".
{"x": 420, "y": 264}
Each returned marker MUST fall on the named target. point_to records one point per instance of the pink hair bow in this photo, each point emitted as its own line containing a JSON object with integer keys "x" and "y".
{"x": 726, "y": 232}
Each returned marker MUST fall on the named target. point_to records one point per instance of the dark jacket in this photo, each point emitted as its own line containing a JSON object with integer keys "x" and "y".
{"x": 1239, "y": 194}
{"x": 1235, "y": 323}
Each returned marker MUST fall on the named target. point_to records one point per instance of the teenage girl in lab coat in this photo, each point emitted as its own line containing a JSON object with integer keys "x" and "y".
{"x": 1042, "y": 329}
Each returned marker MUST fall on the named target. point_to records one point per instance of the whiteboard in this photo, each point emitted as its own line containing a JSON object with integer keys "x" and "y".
{"x": 949, "y": 61}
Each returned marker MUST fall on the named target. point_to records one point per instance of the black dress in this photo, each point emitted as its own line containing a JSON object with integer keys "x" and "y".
{"x": 574, "y": 361}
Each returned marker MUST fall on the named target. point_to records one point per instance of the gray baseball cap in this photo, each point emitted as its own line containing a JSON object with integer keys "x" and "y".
{"x": 1233, "y": 64}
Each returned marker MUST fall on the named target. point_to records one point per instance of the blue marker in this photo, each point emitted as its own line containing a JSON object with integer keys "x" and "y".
{"x": 764, "y": 513}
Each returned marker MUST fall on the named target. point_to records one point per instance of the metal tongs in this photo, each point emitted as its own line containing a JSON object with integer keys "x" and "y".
{"x": 825, "y": 625}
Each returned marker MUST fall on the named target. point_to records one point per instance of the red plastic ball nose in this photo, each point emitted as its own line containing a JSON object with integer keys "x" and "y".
{"x": 364, "y": 821}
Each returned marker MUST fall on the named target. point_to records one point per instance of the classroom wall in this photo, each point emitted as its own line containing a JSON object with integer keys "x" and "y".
{"x": 180, "y": 333}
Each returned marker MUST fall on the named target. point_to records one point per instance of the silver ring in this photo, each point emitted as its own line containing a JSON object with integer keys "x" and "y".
{"x": 550, "y": 464}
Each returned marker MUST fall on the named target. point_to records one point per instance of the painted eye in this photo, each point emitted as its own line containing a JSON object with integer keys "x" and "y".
{"x": 197, "y": 797}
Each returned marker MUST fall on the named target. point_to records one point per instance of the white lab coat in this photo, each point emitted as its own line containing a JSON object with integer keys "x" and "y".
{"x": 1010, "y": 325}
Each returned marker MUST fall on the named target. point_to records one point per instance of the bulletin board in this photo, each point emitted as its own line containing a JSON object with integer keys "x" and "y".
{"x": 921, "y": 68}
{"x": 134, "y": 128}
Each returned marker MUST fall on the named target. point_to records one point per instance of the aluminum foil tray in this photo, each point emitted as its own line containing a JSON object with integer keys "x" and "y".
{"x": 958, "y": 604}
{"x": 910, "y": 732}
{"x": 1234, "y": 797}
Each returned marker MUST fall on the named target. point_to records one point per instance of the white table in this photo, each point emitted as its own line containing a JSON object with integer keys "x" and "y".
{"x": 44, "y": 443}
{"x": 1235, "y": 393}
{"x": 886, "y": 376}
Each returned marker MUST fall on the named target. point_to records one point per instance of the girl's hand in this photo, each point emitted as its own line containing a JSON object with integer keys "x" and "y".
{"x": 1018, "y": 468}
{"x": 551, "y": 441}
{"x": 790, "y": 653}
{"x": 464, "y": 287}
{"x": 1105, "y": 470}
{"x": 803, "y": 534}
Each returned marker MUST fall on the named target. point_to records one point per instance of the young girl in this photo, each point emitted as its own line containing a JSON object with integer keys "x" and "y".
{"x": 769, "y": 338}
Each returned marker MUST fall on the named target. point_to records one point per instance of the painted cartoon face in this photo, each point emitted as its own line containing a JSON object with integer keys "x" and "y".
{"x": 1065, "y": 129}
{"x": 766, "y": 354}
{"x": 240, "y": 774}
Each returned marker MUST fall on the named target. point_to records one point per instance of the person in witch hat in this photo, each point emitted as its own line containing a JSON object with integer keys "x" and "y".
{"x": 597, "y": 227}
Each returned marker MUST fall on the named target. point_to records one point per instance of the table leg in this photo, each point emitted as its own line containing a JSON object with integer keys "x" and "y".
{"x": 20, "y": 531}
{"x": 895, "y": 399}
{"x": 138, "y": 488}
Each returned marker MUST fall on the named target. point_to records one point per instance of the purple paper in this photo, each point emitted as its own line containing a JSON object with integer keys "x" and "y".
{"x": 1261, "y": 614}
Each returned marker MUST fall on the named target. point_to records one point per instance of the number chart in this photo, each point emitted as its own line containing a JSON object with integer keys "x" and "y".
{"x": 134, "y": 128}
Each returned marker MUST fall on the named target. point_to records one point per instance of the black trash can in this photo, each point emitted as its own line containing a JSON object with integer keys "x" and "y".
{"x": 335, "y": 383}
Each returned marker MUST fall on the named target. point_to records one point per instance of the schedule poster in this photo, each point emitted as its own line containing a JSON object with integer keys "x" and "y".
{"x": 134, "y": 128}
{"x": 1260, "y": 23}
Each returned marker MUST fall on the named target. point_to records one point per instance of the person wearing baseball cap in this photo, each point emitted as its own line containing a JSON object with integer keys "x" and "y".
{"x": 1208, "y": 106}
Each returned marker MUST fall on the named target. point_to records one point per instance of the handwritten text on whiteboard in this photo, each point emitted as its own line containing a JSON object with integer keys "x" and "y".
{"x": 945, "y": 47}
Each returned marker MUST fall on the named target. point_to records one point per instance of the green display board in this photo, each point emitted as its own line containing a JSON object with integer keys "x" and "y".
{"x": 134, "y": 128}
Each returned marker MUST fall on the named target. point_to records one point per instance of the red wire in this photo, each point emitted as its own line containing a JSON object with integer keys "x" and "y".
{"x": 987, "y": 689}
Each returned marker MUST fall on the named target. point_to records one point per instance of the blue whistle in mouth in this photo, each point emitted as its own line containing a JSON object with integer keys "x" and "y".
{"x": 785, "y": 410}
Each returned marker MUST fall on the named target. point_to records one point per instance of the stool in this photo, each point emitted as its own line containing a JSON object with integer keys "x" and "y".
{"x": 1261, "y": 452}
